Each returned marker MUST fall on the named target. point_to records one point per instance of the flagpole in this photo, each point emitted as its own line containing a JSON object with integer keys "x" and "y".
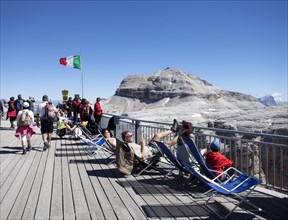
{"x": 82, "y": 74}
{"x": 82, "y": 83}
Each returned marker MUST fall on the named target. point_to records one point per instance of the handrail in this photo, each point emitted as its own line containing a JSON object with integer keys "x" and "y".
{"x": 261, "y": 156}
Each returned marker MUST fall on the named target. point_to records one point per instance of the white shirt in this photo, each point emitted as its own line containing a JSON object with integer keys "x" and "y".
{"x": 137, "y": 150}
{"x": 41, "y": 109}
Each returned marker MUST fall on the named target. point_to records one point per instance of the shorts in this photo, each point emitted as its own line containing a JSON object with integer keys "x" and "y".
{"x": 46, "y": 126}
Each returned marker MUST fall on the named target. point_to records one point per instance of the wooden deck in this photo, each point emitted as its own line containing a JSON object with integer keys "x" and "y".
{"x": 64, "y": 183}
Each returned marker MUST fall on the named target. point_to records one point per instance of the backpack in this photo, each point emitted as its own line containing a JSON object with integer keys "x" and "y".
{"x": 85, "y": 112}
{"x": 19, "y": 104}
{"x": 25, "y": 119}
{"x": 49, "y": 111}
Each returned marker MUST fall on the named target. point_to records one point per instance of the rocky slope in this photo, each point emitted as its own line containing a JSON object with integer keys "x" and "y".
{"x": 171, "y": 93}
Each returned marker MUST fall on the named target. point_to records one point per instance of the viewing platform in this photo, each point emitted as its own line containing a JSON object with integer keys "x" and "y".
{"x": 65, "y": 183}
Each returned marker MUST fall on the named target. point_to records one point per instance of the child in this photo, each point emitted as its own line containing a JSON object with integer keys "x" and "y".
{"x": 217, "y": 161}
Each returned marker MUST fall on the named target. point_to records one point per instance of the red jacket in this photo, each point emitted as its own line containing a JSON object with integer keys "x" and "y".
{"x": 97, "y": 109}
{"x": 217, "y": 161}
{"x": 75, "y": 106}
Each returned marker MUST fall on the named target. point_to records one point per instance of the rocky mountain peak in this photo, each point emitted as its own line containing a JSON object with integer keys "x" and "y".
{"x": 167, "y": 83}
{"x": 267, "y": 100}
{"x": 171, "y": 93}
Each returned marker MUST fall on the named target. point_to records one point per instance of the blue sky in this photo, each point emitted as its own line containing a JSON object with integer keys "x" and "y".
{"x": 235, "y": 45}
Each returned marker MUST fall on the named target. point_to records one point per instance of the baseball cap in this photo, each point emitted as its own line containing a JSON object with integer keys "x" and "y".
{"x": 45, "y": 98}
{"x": 215, "y": 145}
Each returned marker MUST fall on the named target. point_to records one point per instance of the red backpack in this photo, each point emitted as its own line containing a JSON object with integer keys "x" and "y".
{"x": 50, "y": 111}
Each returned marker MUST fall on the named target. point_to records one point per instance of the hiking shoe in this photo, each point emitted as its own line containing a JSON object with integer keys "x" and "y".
{"x": 29, "y": 148}
{"x": 174, "y": 127}
{"x": 45, "y": 146}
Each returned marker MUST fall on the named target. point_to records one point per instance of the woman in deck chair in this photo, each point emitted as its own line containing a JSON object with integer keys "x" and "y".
{"x": 108, "y": 136}
{"x": 182, "y": 152}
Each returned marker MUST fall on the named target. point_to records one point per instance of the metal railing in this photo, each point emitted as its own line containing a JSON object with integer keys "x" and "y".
{"x": 262, "y": 155}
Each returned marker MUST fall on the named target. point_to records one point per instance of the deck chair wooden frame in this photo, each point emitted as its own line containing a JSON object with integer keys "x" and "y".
{"x": 171, "y": 157}
{"x": 239, "y": 187}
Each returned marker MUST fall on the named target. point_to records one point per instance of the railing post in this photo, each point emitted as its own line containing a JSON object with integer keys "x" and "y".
{"x": 137, "y": 131}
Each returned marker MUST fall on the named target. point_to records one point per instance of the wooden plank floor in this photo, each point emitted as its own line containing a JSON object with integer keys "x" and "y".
{"x": 64, "y": 183}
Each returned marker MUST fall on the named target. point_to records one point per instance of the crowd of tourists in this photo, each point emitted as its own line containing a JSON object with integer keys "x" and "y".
{"x": 23, "y": 117}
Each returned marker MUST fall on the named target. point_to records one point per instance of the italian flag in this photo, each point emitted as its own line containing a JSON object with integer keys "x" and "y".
{"x": 71, "y": 61}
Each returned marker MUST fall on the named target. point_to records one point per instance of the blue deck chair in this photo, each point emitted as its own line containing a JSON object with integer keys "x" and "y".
{"x": 170, "y": 156}
{"x": 243, "y": 184}
{"x": 93, "y": 145}
{"x": 192, "y": 148}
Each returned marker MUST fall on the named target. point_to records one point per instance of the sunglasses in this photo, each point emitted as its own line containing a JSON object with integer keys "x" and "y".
{"x": 129, "y": 135}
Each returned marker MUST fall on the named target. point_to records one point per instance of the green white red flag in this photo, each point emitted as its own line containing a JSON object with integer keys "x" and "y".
{"x": 71, "y": 61}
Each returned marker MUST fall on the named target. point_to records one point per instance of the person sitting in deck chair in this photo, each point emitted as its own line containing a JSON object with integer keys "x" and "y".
{"x": 182, "y": 153}
{"x": 216, "y": 160}
{"x": 68, "y": 124}
{"x": 63, "y": 124}
{"x": 143, "y": 151}
{"x": 108, "y": 136}
{"x": 127, "y": 150}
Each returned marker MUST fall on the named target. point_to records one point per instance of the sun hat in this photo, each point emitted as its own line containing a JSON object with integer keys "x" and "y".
{"x": 25, "y": 105}
{"x": 215, "y": 145}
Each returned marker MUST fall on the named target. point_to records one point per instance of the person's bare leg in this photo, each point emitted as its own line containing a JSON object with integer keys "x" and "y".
{"x": 45, "y": 141}
{"x": 172, "y": 141}
{"x": 23, "y": 146}
{"x": 44, "y": 138}
{"x": 159, "y": 136}
{"x": 28, "y": 145}
{"x": 49, "y": 136}
{"x": 142, "y": 146}
{"x": 69, "y": 127}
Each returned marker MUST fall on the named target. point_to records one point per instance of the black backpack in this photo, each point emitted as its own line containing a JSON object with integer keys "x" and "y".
{"x": 85, "y": 112}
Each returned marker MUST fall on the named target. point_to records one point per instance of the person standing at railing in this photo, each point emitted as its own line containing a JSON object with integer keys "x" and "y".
{"x": 97, "y": 111}
{"x": 75, "y": 107}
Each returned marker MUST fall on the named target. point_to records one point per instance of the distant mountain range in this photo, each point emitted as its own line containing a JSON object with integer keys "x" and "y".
{"x": 269, "y": 100}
